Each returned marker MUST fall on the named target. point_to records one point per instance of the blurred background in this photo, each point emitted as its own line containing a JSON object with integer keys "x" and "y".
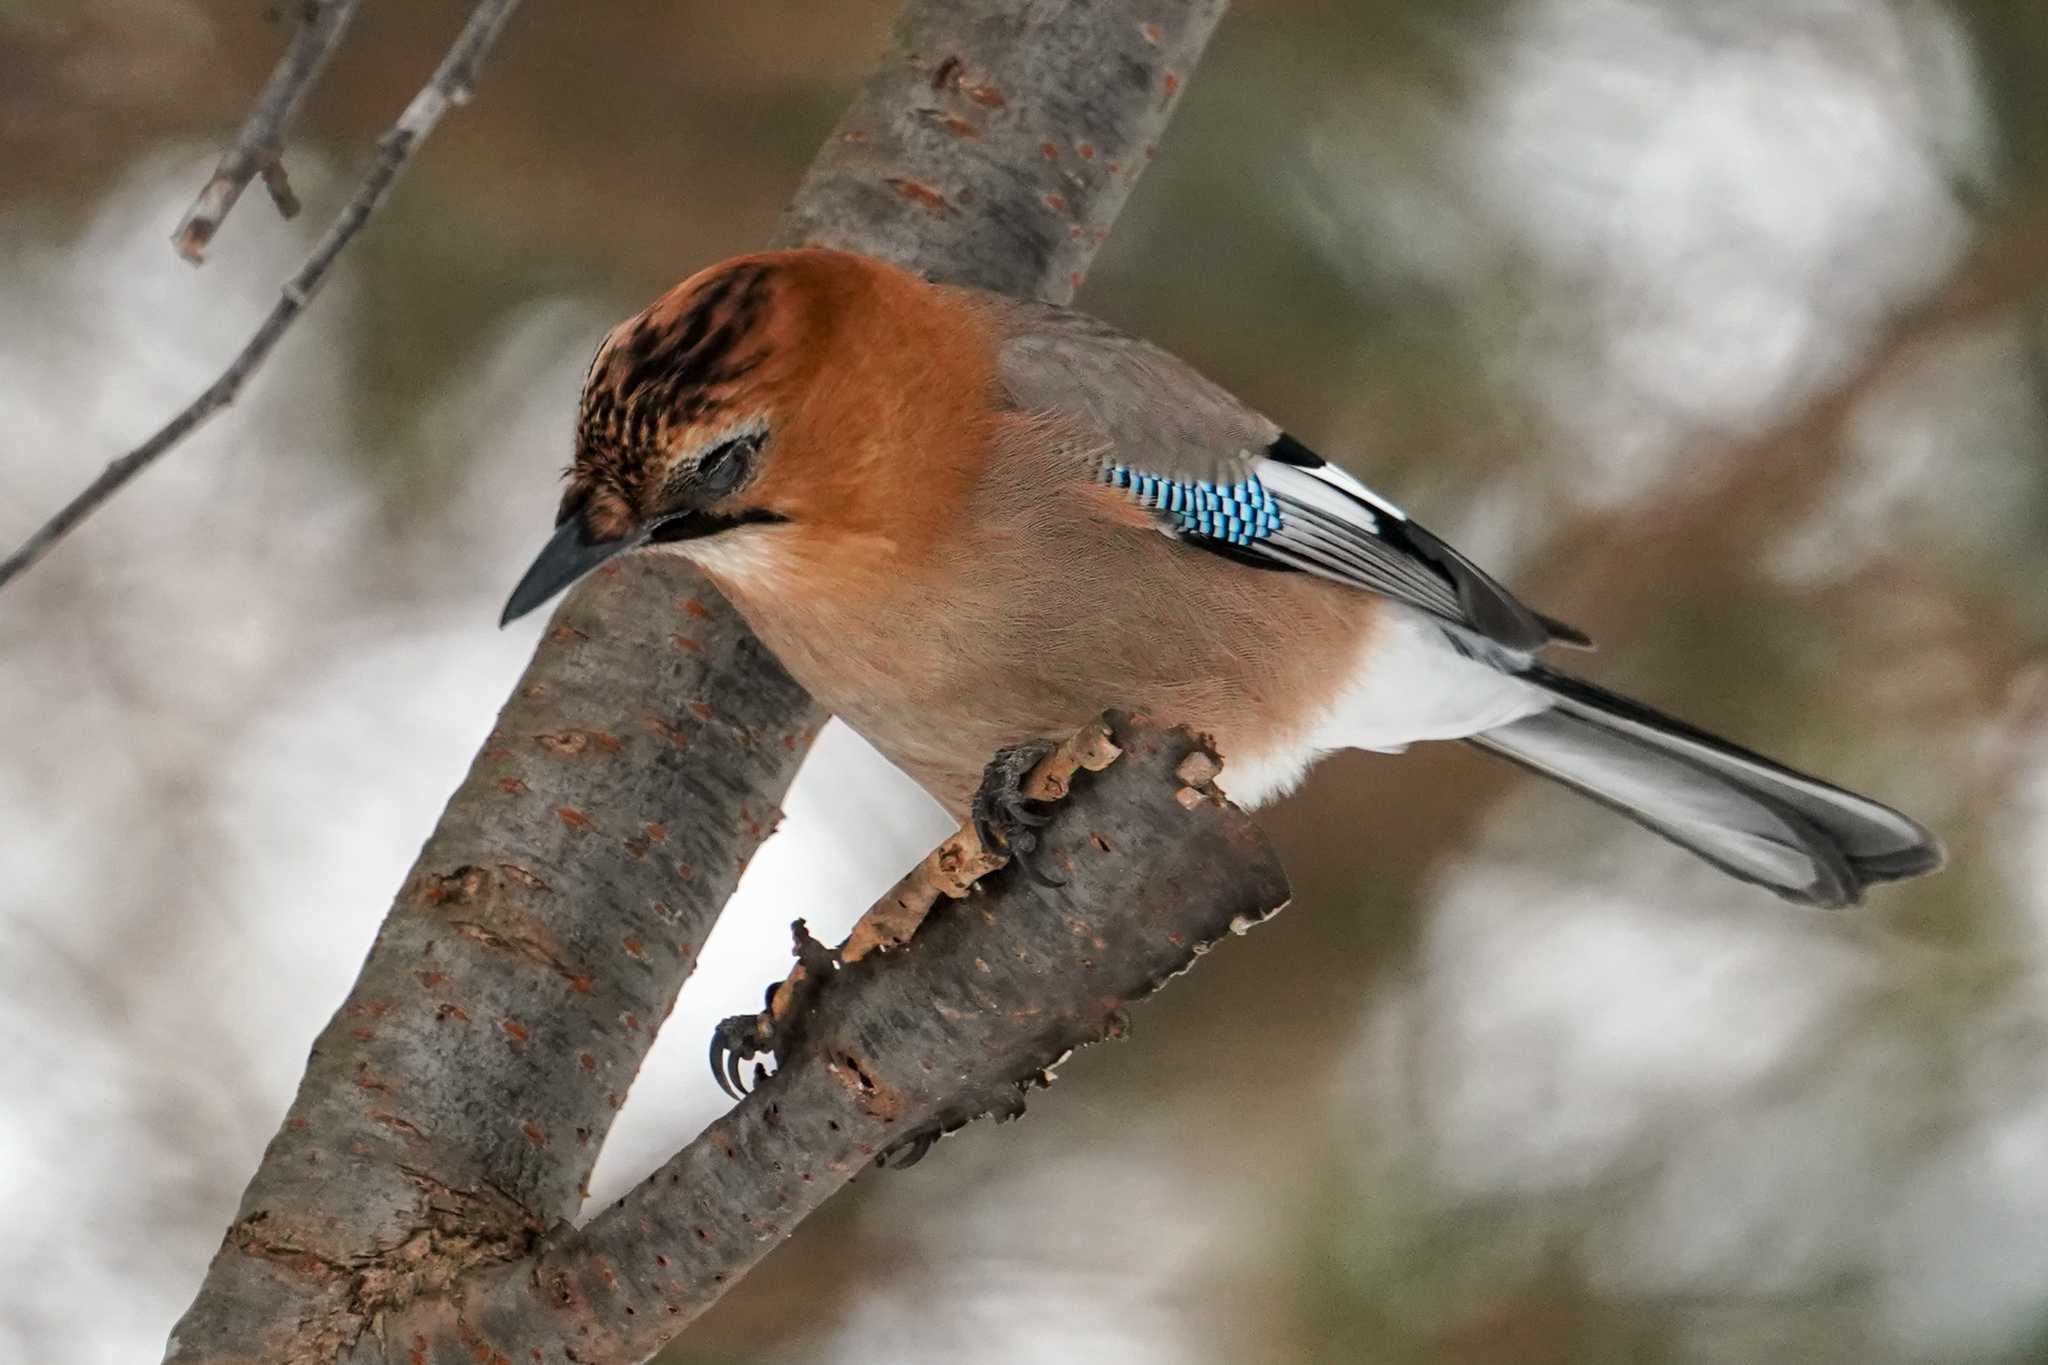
{"x": 1715, "y": 328}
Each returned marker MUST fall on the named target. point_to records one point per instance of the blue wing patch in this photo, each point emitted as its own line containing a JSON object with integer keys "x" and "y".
{"x": 1294, "y": 510}
{"x": 1237, "y": 513}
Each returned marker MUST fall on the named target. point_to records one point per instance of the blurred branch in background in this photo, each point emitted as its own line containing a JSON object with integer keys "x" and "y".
{"x": 456, "y": 1104}
{"x": 449, "y": 86}
{"x": 2012, "y": 49}
{"x": 1744, "y": 490}
{"x": 259, "y": 148}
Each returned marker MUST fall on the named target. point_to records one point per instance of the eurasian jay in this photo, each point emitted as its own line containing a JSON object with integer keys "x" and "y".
{"x": 964, "y": 521}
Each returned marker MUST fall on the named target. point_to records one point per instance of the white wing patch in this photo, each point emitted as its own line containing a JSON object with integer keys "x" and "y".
{"x": 1335, "y": 478}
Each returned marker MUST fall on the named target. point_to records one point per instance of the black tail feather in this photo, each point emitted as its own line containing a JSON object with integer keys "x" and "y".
{"x": 1805, "y": 839}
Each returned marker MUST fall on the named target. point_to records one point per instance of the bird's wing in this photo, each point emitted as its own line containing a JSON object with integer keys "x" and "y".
{"x": 1222, "y": 477}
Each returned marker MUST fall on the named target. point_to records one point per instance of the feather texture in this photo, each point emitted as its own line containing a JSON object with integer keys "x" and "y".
{"x": 962, "y": 521}
{"x": 1223, "y": 477}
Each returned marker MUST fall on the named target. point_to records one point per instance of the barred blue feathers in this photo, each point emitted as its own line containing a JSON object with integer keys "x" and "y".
{"x": 1238, "y": 514}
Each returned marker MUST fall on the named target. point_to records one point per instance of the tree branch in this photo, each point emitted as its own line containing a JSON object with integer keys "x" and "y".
{"x": 259, "y": 148}
{"x": 450, "y": 85}
{"x": 455, "y": 1106}
{"x": 1002, "y": 987}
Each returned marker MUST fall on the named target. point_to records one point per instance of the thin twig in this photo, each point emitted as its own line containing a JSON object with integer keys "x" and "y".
{"x": 259, "y": 148}
{"x": 450, "y": 85}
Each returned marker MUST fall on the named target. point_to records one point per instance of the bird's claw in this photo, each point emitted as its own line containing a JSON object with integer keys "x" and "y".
{"x": 1005, "y": 819}
{"x": 907, "y": 1153}
{"x": 775, "y": 1031}
{"x": 736, "y": 1041}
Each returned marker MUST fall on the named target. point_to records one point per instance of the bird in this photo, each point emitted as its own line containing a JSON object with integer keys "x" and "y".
{"x": 966, "y": 521}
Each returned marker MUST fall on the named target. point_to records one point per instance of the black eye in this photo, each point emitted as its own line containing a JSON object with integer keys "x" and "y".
{"x": 725, "y": 467}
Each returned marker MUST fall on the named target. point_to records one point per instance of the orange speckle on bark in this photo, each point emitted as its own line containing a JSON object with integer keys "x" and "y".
{"x": 395, "y": 1121}
{"x": 701, "y": 710}
{"x": 1056, "y": 202}
{"x": 535, "y": 1134}
{"x": 685, "y": 642}
{"x": 656, "y": 831}
{"x": 1172, "y": 83}
{"x": 1050, "y": 151}
{"x": 685, "y": 871}
{"x": 1086, "y": 149}
{"x": 588, "y": 1062}
{"x": 570, "y": 743}
{"x": 632, "y": 945}
{"x": 1150, "y": 33}
{"x": 449, "y": 1011}
{"x": 692, "y": 607}
{"x": 513, "y": 1029}
{"x": 954, "y": 124}
{"x": 987, "y": 96}
{"x": 523, "y": 877}
{"x": 919, "y": 193}
{"x": 655, "y": 725}
{"x": 512, "y": 786}
{"x": 573, "y": 818}
{"x": 362, "y": 1035}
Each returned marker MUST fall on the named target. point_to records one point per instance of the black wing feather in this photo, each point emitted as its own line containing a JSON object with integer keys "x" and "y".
{"x": 1332, "y": 525}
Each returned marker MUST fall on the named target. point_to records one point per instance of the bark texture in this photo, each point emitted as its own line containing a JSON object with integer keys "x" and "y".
{"x": 454, "y": 1108}
{"x": 898, "y": 1046}
{"x": 996, "y": 143}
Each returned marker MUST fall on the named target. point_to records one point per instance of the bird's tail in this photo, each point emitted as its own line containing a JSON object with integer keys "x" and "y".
{"x": 1804, "y": 839}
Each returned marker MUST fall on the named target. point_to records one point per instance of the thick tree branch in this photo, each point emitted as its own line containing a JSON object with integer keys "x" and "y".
{"x": 451, "y": 85}
{"x": 259, "y": 148}
{"x": 962, "y": 1021}
{"x": 456, "y": 1104}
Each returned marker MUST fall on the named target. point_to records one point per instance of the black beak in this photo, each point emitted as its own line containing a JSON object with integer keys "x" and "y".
{"x": 570, "y": 554}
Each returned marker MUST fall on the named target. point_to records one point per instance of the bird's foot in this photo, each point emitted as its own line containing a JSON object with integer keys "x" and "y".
{"x": 1005, "y": 819}
{"x": 776, "y": 1031}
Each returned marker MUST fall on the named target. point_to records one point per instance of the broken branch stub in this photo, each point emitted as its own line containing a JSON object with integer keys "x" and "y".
{"x": 1031, "y": 972}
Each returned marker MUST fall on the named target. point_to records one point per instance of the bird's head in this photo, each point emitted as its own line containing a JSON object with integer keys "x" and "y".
{"x": 772, "y": 402}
